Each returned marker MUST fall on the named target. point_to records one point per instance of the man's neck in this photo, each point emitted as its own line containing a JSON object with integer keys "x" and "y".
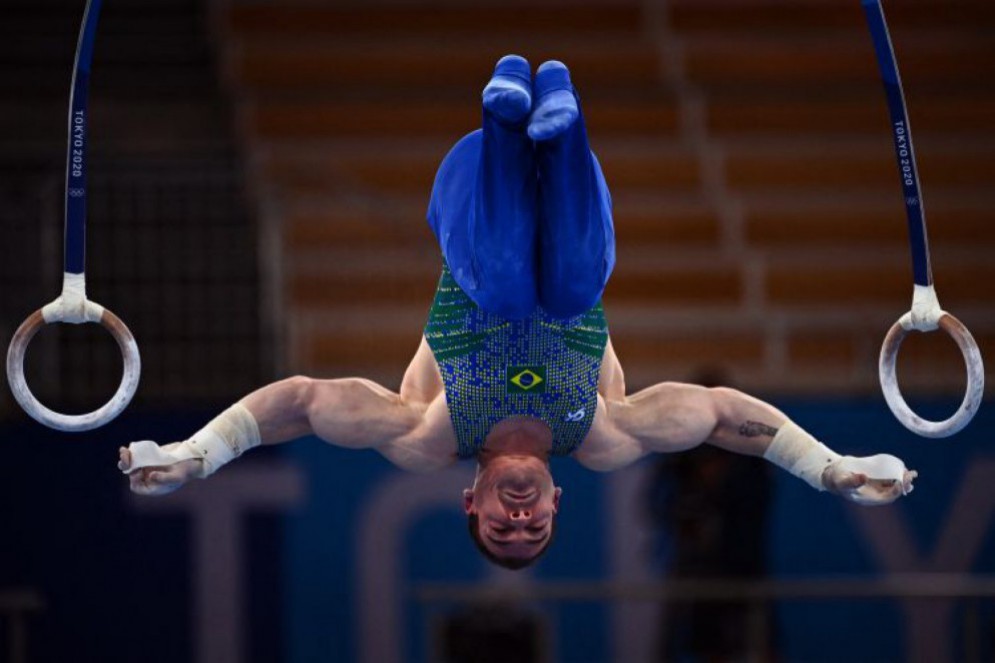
{"x": 520, "y": 436}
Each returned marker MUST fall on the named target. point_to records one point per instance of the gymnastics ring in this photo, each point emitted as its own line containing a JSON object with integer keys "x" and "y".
{"x": 893, "y": 395}
{"x": 72, "y": 305}
{"x": 926, "y": 314}
{"x": 56, "y": 312}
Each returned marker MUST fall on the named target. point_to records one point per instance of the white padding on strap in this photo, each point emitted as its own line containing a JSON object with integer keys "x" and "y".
{"x": 926, "y": 311}
{"x": 72, "y": 306}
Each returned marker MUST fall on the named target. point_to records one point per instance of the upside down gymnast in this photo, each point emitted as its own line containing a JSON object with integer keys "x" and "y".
{"x": 515, "y": 364}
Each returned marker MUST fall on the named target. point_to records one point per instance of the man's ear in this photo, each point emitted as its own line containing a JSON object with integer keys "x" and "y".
{"x": 467, "y": 500}
{"x": 556, "y": 499}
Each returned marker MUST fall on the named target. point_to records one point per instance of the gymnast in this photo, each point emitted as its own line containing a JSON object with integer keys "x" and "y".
{"x": 515, "y": 364}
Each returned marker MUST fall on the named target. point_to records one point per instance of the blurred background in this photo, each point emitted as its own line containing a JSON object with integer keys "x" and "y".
{"x": 259, "y": 174}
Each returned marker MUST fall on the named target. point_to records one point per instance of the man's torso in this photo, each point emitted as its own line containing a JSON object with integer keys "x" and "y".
{"x": 492, "y": 369}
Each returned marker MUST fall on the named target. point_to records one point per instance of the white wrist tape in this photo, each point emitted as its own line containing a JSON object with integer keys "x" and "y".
{"x": 801, "y": 454}
{"x": 224, "y": 439}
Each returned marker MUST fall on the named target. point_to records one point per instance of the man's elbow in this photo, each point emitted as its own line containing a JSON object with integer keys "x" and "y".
{"x": 721, "y": 408}
{"x": 302, "y": 389}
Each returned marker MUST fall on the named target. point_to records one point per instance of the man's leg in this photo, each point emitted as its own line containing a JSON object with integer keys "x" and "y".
{"x": 483, "y": 206}
{"x": 576, "y": 236}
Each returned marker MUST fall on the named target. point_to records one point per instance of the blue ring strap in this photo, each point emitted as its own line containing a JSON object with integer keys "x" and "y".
{"x": 902, "y": 133}
{"x": 75, "y": 211}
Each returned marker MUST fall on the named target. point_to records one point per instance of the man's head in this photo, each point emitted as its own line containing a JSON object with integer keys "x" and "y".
{"x": 511, "y": 508}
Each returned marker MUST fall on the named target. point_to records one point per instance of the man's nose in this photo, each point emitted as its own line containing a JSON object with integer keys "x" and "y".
{"x": 520, "y": 514}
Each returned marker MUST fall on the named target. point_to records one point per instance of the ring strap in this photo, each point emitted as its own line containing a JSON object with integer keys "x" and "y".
{"x": 72, "y": 305}
{"x": 926, "y": 313}
{"x": 74, "y": 260}
{"x": 902, "y": 135}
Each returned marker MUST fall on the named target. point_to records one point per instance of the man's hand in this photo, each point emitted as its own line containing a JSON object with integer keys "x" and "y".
{"x": 858, "y": 487}
{"x": 158, "y": 480}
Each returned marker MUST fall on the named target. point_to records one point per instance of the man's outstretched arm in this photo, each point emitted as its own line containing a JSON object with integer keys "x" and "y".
{"x": 352, "y": 412}
{"x": 672, "y": 417}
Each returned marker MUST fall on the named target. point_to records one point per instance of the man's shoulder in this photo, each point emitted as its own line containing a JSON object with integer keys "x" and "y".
{"x": 605, "y": 447}
{"x": 430, "y": 446}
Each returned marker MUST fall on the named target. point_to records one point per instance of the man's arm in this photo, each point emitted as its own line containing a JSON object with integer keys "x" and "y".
{"x": 352, "y": 412}
{"x": 673, "y": 417}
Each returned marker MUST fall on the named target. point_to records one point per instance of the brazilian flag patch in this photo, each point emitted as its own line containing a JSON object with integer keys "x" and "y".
{"x": 526, "y": 379}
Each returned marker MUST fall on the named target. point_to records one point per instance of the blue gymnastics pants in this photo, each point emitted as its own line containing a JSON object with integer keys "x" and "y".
{"x": 523, "y": 223}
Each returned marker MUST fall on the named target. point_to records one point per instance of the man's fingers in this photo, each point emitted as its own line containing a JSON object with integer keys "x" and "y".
{"x": 860, "y": 488}
{"x": 163, "y": 477}
{"x": 155, "y": 480}
{"x": 910, "y": 476}
{"x": 124, "y": 459}
{"x": 852, "y": 480}
{"x": 153, "y": 483}
{"x": 138, "y": 483}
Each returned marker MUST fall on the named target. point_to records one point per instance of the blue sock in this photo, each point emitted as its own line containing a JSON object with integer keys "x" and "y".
{"x": 508, "y": 95}
{"x": 555, "y": 103}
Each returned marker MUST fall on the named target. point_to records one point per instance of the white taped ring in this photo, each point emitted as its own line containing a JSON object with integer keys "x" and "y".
{"x": 926, "y": 311}
{"x": 81, "y": 422}
{"x": 975, "y": 380}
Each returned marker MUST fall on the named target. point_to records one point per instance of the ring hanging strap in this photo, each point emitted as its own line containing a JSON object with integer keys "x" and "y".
{"x": 75, "y": 211}
{"x": 926, "y": 314}
{"x": 902, "y": 134}
{"x": 72, "y": 305}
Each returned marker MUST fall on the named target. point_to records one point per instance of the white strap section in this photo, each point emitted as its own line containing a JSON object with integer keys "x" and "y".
{"x": 926, "y": 311}
{"x": 72, "y": 306}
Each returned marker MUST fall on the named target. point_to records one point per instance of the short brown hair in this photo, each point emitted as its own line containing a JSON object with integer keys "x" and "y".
{"x": 513, "y": 563}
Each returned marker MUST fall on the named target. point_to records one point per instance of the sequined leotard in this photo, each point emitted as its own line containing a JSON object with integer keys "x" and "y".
{"x": 494, "y": 368}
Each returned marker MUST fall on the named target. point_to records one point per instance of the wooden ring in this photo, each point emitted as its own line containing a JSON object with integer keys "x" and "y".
{"x": 975, "y": 380}
{"x": 81, "y": 422}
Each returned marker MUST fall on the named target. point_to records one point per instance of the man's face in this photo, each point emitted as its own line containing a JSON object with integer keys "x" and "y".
{"x": 515, "y": 501}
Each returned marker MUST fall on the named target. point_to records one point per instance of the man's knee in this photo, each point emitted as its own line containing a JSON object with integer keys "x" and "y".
{"x": 511, "y": 302}
{"x": 572, "y": 286}
{"x": 571, "y": 299}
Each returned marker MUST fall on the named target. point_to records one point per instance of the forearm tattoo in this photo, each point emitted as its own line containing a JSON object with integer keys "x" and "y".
{"x": 756, "y": 429}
